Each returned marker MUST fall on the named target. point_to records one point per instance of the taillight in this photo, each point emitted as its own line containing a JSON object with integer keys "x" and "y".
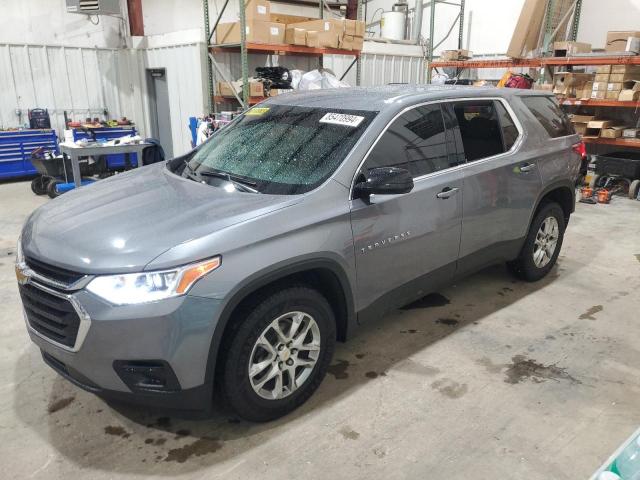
{"x": 580, "y": 149}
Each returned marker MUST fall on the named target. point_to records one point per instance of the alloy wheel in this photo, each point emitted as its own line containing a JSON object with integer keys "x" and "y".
{"x": 546, "y": 242}
{"x": 284, "y": 355}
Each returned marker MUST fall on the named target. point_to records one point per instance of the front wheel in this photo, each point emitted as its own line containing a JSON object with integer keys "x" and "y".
{"x": 542, "y": 245}
{"x": 279, "y": 353}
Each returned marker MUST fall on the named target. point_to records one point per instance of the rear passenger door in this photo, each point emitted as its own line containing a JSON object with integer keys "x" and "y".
{"x": 406, "y": 244}
{"x": 500, "y": 186}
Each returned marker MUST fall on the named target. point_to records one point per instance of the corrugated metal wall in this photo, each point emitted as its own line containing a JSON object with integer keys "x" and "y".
{"x": 84, "y": 82}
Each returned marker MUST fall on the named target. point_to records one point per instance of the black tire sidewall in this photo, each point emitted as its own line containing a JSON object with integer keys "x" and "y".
{"x": 236, "y": 385}
{"x": 527, "y": 268}
{"x": 51, "y": 188}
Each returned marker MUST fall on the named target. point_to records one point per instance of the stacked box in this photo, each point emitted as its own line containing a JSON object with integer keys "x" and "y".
{"x": 580, "y": 122}
{"x": 329, "y": 33}
{"x": 567, "y": 49}
{"x": 630, "y": 92}
{"x": 256, "y": 89}
{"x": 619, "y": 41}
{"x": 569, "y": 83}
{"x": 256, "y": 32}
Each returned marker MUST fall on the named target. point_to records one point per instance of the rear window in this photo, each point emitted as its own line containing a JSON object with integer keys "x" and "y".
{"x": 550, "y": 116}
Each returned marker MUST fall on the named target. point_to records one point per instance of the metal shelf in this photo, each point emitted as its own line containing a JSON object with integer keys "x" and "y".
{"x": 540, "y": 62}
{"x": 599, "y": 103}
{"x": 252, "y": 100}
{"x": 620, "y": 142}
{"x": 284, "y": 49}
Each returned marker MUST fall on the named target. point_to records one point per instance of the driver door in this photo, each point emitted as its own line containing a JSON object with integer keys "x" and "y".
{"x": 408, "y": 244}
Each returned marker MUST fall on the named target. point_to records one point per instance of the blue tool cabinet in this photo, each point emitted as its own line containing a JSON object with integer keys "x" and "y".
{"x": 16, "y": 147}
{"x": 115, "y": 161}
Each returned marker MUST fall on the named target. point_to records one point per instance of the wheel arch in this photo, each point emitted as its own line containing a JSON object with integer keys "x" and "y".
{"x": 562, "y": 193}
{"x": 326, "y": 275}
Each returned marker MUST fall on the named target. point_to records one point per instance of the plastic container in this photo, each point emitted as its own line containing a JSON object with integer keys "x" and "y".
{"x": 627, "y": 464}
{"x": 393, "y": 25}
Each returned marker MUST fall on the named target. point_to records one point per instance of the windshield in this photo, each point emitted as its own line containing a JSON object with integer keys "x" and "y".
{"x": 281, "y": 149}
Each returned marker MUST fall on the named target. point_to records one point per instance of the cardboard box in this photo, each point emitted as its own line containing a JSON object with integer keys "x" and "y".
{"x": 603, "y": 69}
{"x": 586, "y": 91}
{"x": 567, "y": 83}
{"x": 288, "y": 19}
{"x": 614, "y": 87}
{"x": 612, "y": 132}
{"x": 547, "y": 87}
{"x": 631, "y": 132}
{"x": 567, "y": 49}
{"x": 581, "y": 118}
{"x": 256, "y": 89}
{"x": 617, "y": 41}
{"x": 354, "y": 28}
{"x": 612, "y": 95}
{"x": 625, "y": 69}
{"x": 595, "y": 127}
{"x": 598, "y": 94}
{"x": 350, "y": 42}
{"x": 624, "y": 77}
{"x": 453, "y": 55}
{"x": 326, "y": 39}
{"x": 631, "y": 92}
{"x": 328, "y": 25}
{"x": 599, "y": 86}
{"x": 256, "y": 32}
{"x": 601, "y": 78}
{"x": 295, "y": 36}
{"x": 257, "y": 10}
{"x": 278, "y": 91}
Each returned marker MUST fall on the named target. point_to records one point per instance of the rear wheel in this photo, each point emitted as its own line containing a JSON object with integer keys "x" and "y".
{"x": 542, "y": 245}
{"x": 39, "y": 184}
{"x": 278, "y": 354}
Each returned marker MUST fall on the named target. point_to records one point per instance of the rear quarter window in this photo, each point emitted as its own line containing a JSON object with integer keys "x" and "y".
{"x": 550, "y": 116}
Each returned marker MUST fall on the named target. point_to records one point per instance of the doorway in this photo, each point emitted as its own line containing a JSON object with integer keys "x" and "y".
{"x": 160, "y": 112}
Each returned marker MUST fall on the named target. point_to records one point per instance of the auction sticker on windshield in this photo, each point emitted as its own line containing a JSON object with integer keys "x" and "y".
{"x": 342, "y": 119}
{"x": 257, "y": 111}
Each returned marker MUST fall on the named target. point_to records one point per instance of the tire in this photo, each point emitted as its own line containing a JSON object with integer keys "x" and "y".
{"x": 634, "y": 188}
{"x": 39, "y": 184}
{"x": 530, "y": 268}
{"x": 242, "y": 392}
{"x": 595, "y": 180}
{"x": 51, "y": 188}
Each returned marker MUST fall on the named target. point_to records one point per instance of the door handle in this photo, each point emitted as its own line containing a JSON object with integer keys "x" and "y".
{"x": 447, "y": 192}
{"x": 526, "y": 167}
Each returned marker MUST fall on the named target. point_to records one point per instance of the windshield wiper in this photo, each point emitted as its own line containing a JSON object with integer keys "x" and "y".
{"x": 239, "y": 182}
{"x": 192, "y": 174}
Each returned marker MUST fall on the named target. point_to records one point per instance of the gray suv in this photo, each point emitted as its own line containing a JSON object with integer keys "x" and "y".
{"x": 235, "y": 268}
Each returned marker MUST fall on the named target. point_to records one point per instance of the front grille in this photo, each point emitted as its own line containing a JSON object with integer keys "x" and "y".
{"x": 55, "y": 273}
{"x": 50, "y": 315}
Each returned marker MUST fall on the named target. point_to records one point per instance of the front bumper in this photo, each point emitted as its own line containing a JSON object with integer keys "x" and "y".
{"x": 176, "y": 331}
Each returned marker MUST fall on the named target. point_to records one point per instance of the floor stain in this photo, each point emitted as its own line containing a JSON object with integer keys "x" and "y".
{"x": 589, "y": 314}
{"x": 524, "y": 368}
{"x": 349, "y": 433}
{"x": 550, "y": 337}
{"x": 488, "y": 364}
{"x": 448, "y": 321}
{"x": 360, "y": 356}
{"x": 116, "y": 431}
{"x": 409, "y": 331}
{"x": 507, "y": 289}
{"x": 339, "y": 369}
{"x": 413, "y": 367}
{"x": 637, "y": 255}
{"x": 431, "y": 300}
{"x": 59, "y": 404}
{"x": 372, "y": 374}
{"x": 379, "y": 452}
{"x": 182, "y": 433}
{"x": 450, "y": 388}
{"x": 501, "y": 294}
{"x": 202, "y": 446}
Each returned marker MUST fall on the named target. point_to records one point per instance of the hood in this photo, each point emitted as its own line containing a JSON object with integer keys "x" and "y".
{"x": 120, "y": 224}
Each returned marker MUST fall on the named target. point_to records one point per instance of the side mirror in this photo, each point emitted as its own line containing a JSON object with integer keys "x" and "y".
{"x": 385, "y": 181}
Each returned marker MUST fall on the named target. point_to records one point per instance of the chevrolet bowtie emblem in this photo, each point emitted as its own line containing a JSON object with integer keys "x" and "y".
{"x": 21, "y": 275}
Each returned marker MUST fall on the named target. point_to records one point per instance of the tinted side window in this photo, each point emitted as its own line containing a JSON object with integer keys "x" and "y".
{"x": 479, "y": 128}
{"x": 550, "y": 116}
{"x": 509, "y": 130}
{"x": 416, "y": 140}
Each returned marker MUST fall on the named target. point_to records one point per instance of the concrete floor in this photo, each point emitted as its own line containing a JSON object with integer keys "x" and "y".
{"x": 508, "y": 380}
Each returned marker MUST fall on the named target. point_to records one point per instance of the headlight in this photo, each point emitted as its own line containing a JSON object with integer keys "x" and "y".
{"x": 133, "y": 288}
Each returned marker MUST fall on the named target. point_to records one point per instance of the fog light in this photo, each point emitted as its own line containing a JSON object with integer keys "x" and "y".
{"x": 145, "y": 375}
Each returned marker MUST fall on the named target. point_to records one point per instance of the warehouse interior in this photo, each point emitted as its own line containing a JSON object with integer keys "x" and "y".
{"x": 321, "y": 239}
